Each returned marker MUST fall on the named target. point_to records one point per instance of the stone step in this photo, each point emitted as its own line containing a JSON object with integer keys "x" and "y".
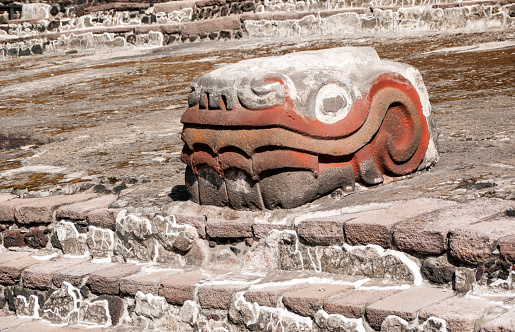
{"x": 181, "y": 25}
{"x": 475, "y": 238}
{"x": 135, "y": 295}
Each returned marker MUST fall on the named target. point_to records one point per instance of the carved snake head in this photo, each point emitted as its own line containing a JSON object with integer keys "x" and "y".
{"x": 283, "y": 131}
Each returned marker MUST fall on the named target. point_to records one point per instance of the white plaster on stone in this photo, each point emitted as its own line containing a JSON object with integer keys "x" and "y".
{"x": 344, "y": 210}
{"x": 77, "y": 300}
{"x": 27, "y": 304}
{"x": 354, "y": 325}
{"x": 45, "y": 257}
{"x": 256, "y": 309}
{"x": 412, "y": 266}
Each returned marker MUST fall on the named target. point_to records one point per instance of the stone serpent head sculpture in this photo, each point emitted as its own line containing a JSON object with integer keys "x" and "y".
{"x": 280, "y": 132}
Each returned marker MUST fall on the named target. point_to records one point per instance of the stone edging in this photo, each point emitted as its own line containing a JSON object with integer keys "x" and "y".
{"x": 57, "y": 35}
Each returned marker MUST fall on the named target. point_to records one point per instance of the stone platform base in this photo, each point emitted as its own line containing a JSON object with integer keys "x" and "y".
{"x": 141, "y": 24}
{"x": 424, "y": 264}
{"x": 78, "y": 292}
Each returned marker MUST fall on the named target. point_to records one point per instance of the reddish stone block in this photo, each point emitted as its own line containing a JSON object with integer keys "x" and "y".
{"x": 427, "y": 234}
{"x": 507, "y": 248}
{"x": 8, "y": 208}
{"x": 269, "y": 296}
{"x": 352, "y": 304}
{"x": 318, "y": 232}
{"x": 229, "y": 229}
{"x": 107, "y": 281}
{"x": 36, "y": 239}
{"x": 197, "y": 221}
{"x": 263, "y": 230}
{"x": 79, "y": 211}
{"x": 405, "y": 304}
{"x": 41, "y": 210}
{"x": 218, "y": 296}
{"x": 147, "y": 281}
{"x": 77, "y": 275}
{"x": 10, "y": 271}
{"x": 39, "y": 276}
{"x": 460, "y": 313}
{"x": 474, "y": 244}
{"x": 375, "y": 227}
{"x": 212, "y": 25}
{"x": 13, "y": 238}
{"x": 180, "y": 288}
{"x": 307, "y": 301}
{"x": 171, "y": 28}
{"x": 503, "y": 323}
{"x": 103, "y": 218}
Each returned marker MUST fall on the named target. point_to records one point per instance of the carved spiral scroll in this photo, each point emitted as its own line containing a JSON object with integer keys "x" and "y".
{"x": 401, "y": 142}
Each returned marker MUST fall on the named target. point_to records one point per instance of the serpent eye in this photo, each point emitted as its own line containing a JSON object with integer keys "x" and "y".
{"x": 333, "y": 103}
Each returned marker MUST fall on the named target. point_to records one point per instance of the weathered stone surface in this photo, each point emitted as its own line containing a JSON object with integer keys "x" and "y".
{"x": 36, "y": 239}
{"x": 41, "y": 210}
{"x": 70, "y": 240}
{"x": 405, "y": 304}
{"x": 134, "y": 240}
{"x": 10, "y": 271}
{"x": 13, "y": 238}
{"x": 78, "y": 274}
{"x": 375, "y": 227}
{"x": 180, "y": 288}
{"x": 269, "y": 296}
{"x": 262, "y": 230}
{"x": 115, "y": 306}
{"x": 4, "y": 197}
{"x": 146, "y": 281}
{"x": 80, "y": 211}
{"x": 427, "y": 234}
{"x": 213, "y": 25}
{"x": 58, "y": 308}
{"x": 100, "y": 242}
{"x": 507, "y": 248}
{"x": 149, "y": 305}
{"x": 40, "y": 276}
{"x": 7, "y": 256}
{"x": 463, "y": 279}
{"x": 307, "y": 301}
{"x": 107, "y": 280}
{"x": 171, "y": 6}
{"x": 460, "y": 313}
{"x": 218, "y": 296}
{"x": 229, "y": 229}
{"x": 352, "y": 303}
{"x": 437, "y": 271}
{"x": 103, "y": 218}
{"x": 8, "y": 208}
{"x": 197, "y": 221}
{"x": 474, "y": 244}
{"x": 94, "y": 313}
{"x": 317, "y": 232}
{"x": 172, "y": 236}
{"x": 287, "y": 159}
{"x": 503, "y": 323}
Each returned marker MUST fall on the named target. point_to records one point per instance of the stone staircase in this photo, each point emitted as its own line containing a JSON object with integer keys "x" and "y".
{"x": 47, "y": 28}
{"x": 419, "y": 265}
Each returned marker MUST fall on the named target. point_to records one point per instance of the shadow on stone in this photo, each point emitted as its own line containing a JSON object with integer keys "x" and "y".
{"x": 179, "y": 193}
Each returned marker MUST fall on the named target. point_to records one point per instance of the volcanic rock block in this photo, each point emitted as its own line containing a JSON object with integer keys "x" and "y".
{"x": 307, "y": 301}
{"x": 280, "y": 132}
